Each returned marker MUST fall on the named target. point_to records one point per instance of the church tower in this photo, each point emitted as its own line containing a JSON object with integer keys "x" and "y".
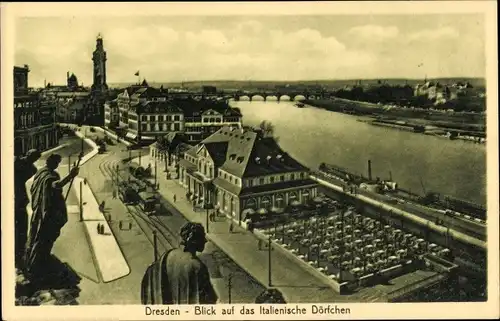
{"x": 94, "y": 109}
{"x": 99, "y": 60}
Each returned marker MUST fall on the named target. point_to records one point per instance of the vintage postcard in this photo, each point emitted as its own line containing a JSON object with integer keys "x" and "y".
{"x": 250, "y": 161}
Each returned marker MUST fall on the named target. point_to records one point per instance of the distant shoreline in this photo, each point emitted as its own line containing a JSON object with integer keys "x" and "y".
{"x": 466, "y": 126}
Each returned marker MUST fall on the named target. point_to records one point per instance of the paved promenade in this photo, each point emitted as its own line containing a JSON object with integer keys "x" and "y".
{"x": 108, "y": 256}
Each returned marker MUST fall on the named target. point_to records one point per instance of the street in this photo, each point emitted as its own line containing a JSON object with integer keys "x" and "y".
{"x": 137, "y": 243}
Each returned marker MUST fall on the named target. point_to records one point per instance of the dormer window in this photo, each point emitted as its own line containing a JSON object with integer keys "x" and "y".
{"x": 232, "y": 156}
{"x": 240, "y": 159}
{"x": 268, "y": 158}
{"x": 257, "y": 160}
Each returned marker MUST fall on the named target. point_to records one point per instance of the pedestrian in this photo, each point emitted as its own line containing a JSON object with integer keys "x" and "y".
{"x": 120, "y": 225}
{"x": 260, "y": 244}
{"x": 114, "y": 194}
{"x": 99, "y": 228}
{"x": 175, "y": 198}
{"x": 212, "y": 217}
{"x": 85, "y": 181}
{"x": 231, "y": 227}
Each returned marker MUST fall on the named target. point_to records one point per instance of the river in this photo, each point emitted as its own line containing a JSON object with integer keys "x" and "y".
{"x": 417, "y": 162}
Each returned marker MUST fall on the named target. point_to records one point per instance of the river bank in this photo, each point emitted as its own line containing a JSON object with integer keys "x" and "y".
{"x": 417, "y": 126}
{"x": 467, "y": 125}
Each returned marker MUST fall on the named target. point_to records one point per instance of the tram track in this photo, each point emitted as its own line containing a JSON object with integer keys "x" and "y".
{"x": 167, "y": 239}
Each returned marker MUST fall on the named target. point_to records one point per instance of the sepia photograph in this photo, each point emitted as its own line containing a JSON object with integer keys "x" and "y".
{"x": 279, "y": 164}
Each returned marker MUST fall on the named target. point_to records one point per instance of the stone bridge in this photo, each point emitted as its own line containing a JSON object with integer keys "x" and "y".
{"x": 265, "y": 95}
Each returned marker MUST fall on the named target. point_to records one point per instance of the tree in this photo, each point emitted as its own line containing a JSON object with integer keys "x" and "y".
{"x": 267, "y": 128}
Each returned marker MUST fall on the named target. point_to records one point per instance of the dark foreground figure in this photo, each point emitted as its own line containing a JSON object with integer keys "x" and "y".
{"x": 179, "y": 276}
{"x": 24, "y": 169}
{"x": 49, "y": 216}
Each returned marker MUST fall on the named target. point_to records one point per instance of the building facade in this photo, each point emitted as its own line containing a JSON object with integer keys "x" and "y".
{"x": 146, "y": 113}
{"x": 241, "y": 172}
{"x": 34, "y": 117}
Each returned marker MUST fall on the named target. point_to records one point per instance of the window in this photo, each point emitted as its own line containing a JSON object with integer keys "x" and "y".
{"x": 144, "y": 127}
{"x": 177, "y": 127}
{"x": 230, "y": 179}
{"x": 160, "y": 118}
{"x": 250, "y": 183}
{"x": 292, "y": 177}
{"x": 261, "y": 181}
{"x": 279, "y": 201}
{"x": 151, "y": 117}
{"x": 177, "y": 118}
{"x": 282, "y": 178}
{"x": 266, "y": 202}
{"x": 144, "y": 118}
{"x": 271, "y": 179}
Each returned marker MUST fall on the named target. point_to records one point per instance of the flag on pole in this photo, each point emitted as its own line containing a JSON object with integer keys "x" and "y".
{"x": 137, "y": 73}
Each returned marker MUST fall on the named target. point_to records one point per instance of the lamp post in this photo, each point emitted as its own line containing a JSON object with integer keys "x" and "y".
{"x": 69, "y": 163}
{"x": 156, "y": 172}
{"x": 269, "y": 248}
{"x": 140, "y": 154}
{"x": 229, "y": 285}
{"x": 208, "y": 207}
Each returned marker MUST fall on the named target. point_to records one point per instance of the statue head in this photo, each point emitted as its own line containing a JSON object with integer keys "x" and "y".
{"x": 33, "y": 155}
{"x": 53, "y": 161}
{"x": 193, "y": 237}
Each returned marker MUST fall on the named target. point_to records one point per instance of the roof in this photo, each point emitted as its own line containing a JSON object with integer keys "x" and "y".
{"x": 218, "y": 152}
{"x": 244, "y": 153}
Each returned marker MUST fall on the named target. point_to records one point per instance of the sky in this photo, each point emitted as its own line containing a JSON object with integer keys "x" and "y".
{"x": 189, "y": 48}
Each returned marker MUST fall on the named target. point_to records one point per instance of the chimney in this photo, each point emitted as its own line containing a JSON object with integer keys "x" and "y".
{"x": 67, "y": 74}
{"x": 370, "y": 170}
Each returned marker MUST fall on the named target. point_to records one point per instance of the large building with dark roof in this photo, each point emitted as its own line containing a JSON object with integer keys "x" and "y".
{"x": 146, "y": 113}
{"x": 241, "y": 172}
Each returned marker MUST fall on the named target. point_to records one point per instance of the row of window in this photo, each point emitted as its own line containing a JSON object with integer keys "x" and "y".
{"x": 161, "y": 117}
{"x": 230, "y": 178}
{"x": 25, "y": 104}
{"x": 279, "y": 200}
{"x": 161, "y": 127}
{"x": 274, "y": 179}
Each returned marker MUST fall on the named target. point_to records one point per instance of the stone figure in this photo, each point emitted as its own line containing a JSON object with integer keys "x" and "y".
{"x": 24, "y": 169}
{"x": 179, "y": 276}
{"x": 49, "y": 214}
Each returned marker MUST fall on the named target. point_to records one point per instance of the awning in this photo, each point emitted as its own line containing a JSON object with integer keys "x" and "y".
{"x": 277, "y": 210}
{"x": 148, "y": 138}
{"x": 295, "y": 203}
{"x": 131, "y": 136}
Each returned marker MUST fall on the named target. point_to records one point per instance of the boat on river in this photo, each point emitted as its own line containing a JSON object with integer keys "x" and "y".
{"x": 299, "y": 105}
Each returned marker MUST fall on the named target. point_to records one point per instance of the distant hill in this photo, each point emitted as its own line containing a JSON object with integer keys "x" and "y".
{"x": 329, "y": 84}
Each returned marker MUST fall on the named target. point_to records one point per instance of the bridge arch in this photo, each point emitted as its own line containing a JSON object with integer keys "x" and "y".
{"x": 299, "y": 97}
{"x": 244, "y": 98}
{"x": 258, "y": 97}
{"x": 272, "y": 98}
{"x": 285, "y": 98}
